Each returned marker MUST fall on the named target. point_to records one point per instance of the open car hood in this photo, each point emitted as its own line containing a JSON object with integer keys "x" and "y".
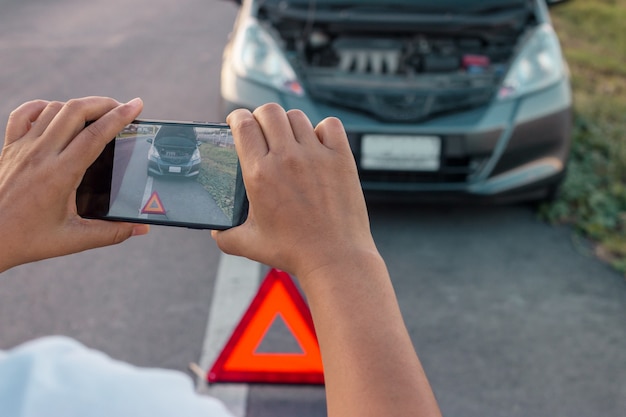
{"x": 400, "y": 60}
{"x": 426, "y": 6}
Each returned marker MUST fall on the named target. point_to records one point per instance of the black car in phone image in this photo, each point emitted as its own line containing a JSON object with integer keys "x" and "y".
{"x": 167, "y": 173}
{"x": 175, "y": 152}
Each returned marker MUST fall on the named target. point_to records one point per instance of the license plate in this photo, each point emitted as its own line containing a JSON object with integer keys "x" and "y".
{"x": 401, "y": 153}
{"x": 175, "y": 170}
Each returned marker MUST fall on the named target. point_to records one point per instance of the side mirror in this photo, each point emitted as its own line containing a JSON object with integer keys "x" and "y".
{"x": 149, "y": 140}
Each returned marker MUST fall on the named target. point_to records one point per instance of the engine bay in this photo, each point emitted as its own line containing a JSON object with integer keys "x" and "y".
{"x": 399, "y": 66}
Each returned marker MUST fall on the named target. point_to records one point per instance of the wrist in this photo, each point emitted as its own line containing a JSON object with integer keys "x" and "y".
{"x": 9, "y": 251}
{"x": 356, "y": 266}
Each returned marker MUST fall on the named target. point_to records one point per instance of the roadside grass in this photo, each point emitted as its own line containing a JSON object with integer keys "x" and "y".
{"x": 217, "y": 175}
{"x": 593, "y": 195}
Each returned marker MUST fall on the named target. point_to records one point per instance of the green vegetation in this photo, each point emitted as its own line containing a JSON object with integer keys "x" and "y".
{"x": 593, "y": 196}
{"x": 218, "y": 173}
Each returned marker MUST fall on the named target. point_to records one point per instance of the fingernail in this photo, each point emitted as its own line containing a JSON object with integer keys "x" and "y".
{"x": 141, "y": 229}
{"x": 136, "y": 102}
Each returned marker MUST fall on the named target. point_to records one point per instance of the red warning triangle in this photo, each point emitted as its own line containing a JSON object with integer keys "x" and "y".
{"x": 154, "y": 205}
{"x": 241, "y": 361}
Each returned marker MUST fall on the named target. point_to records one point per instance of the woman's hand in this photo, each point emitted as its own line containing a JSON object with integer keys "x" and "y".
{"x": 47, "y": 150}
{"x": 306, "y": 205}
{"x": 308, "y": 217}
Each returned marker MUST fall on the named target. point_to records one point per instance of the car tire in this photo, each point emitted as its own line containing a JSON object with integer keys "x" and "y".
{"x": 551, "y": 194}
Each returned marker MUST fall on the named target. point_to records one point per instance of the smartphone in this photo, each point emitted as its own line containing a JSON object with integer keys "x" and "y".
{"x": 167, "y": 173}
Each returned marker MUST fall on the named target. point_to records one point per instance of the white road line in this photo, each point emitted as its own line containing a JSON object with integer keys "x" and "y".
{"x": 147, "y": 192}
{"x": 236, "y": 284}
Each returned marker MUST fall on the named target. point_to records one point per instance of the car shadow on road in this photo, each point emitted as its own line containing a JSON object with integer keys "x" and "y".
{"x": 464, "y": 214}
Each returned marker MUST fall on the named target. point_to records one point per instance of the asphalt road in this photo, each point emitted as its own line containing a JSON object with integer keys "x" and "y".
{"x": 145, "y": 301}
{"x": 510, "y": 316}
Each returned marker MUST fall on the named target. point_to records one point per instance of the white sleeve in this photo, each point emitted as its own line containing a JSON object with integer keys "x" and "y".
{"x": 57, "y": 376}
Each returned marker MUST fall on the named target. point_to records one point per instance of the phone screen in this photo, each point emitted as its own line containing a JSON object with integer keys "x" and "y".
{"x": 169, "y": 173}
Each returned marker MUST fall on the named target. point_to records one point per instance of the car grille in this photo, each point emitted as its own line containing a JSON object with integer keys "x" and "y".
{"x": 404, "y": 106}
{"x": 174, "y": 157}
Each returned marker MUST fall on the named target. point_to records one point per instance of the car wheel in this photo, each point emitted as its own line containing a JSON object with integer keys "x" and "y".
{"x": 550, "y": 195}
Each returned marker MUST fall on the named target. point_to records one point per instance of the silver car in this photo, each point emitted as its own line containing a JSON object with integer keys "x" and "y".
{"x": 446, "y": 99}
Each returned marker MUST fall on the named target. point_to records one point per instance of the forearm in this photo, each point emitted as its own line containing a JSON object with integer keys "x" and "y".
{"x": 314, "y": 224}
{"x": 371, "y": 368}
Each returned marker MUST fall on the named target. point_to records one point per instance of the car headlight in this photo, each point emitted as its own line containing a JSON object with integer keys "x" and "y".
{"x": 153, "y": 154}
{"x": 195, "y": 158}
{"x": 256, "y": 56}
{"x": 538, "y": 65}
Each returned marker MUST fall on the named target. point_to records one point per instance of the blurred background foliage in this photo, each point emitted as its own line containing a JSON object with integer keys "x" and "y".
{"x": 593, "y": 196}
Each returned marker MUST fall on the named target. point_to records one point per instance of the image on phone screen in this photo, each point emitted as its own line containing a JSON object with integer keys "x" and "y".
{"x": 171, "y": 173}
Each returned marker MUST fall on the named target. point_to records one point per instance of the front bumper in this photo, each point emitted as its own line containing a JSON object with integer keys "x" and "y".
{"x": 527, "y": 157}
{"x": 157, "y": 168}
{"x": 509, "y": 150}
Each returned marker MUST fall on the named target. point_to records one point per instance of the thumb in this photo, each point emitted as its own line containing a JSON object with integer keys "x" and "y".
{"x": 232, "y": 241}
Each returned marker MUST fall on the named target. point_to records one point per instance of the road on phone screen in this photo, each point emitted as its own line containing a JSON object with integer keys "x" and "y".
{"x": 180, "y": 199}
{"x": 510, "y": 316}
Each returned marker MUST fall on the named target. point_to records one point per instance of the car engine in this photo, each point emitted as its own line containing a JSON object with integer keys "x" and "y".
{"x": 390, "y": 69}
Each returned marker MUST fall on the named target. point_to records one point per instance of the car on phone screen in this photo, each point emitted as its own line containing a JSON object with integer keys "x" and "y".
{"x": 174, "y": 152}
{"x": 446, "y": 99}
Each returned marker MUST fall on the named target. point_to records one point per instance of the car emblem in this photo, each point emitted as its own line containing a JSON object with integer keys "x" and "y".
{"x": 402, "y": 107}
{"x": 408, "y": 100}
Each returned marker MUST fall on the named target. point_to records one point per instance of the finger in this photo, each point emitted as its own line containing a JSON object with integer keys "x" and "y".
{"x": 302, "y": 128}
{"x": 275, "y": 125}
{"x": 90, "y": 234}
{"x": 72, "y": 118}
{"x": 90, "y": 142}
{"x": 22, "y": 118}
{"x": 248, "y": 135}
{"x": 45, "y": 118}
{"x": 332, "y": 134}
